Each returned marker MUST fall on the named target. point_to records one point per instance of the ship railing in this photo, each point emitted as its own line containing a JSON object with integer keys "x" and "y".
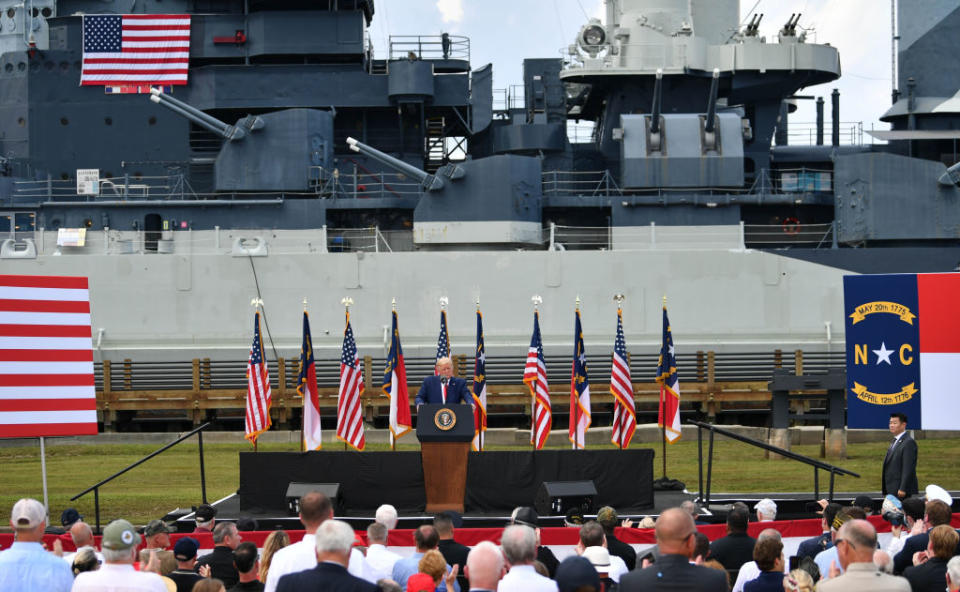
{"x": 359, "y": 183}
{"x": 646, "y": 56}
{"x": 203, "y": 389}
{"x": 17, "y": 225}
{"x": 789, "y": 233}
{"x": 132, "y": 187}
{"x": 429, "y": 47}
{"x": 585, "y": 183}
{"x": 508, "y": 98}
{"x": 804, "y": 133}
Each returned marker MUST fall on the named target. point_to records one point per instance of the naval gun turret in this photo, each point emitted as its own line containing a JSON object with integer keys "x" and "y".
{"x": 427, "y": 181}
{"x": 284, "y": 150}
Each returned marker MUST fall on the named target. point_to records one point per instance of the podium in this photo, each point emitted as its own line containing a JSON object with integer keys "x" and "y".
{"x": 445, "y": 433}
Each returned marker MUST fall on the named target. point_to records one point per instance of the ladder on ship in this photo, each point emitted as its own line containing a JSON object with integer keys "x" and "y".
{"x": 436, "y": 141}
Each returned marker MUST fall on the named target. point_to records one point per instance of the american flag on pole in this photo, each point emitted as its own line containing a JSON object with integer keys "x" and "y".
{"x": 535, "y": 375}
{"x": 621, "y": 387}
{"x": 46, "y": 357}
{"x": 479, "y": 388}
{"x": 258, "y": 387}
{"x": 131, "y": 49}
{"x": 579, "y": 389}
{"x": 443, "y": 343}
{"x": 669, "y": 415}
{"x": 307, "y": 389}
{"x": 395, "y": 385}
{"x": 349, "y": 410}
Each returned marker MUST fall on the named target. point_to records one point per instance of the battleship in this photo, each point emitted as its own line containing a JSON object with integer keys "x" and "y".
{"x": 298, "y": 166}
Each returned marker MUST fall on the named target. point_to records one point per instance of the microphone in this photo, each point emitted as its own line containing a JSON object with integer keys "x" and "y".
{"x": 444, "y": 380}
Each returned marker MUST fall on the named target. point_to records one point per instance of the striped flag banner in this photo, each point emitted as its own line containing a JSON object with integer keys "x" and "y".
{"x": 580, "y": 412}
{"x": 621, "y": 387}
{"x": 443, "y": 341}
{"x": 135, "y": 49}
{"x": 535, "y": 376}
{"x": 46, "y": 357}
{"x": 479, "y": 388}
{"x": 395, "y": 385}
{"x": 349, "y": 408}
{"x": 307, "y": 389}
{"x": 669, "y": 413}
{"x": 258, "y": 387}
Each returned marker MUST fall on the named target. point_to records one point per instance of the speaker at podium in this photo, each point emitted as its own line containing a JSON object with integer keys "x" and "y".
{"x": 445, "y": 433}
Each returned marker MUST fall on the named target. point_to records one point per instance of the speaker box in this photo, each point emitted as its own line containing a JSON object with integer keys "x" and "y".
{"x": 556, "y": 497}
{"x": 297, "y": 490}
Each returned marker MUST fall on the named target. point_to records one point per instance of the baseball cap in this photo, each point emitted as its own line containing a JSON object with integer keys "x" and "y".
{"x": 27, "y": 513}
{"x": 607, "y": 516}
{"x": 574, "y": 517}
{"x": 69, "y": 516}
{"x": 525, "y": 515}
{"x": 599, "y": 557}
{"x": 186, "y": 549}
{"x": 205, "y": 513}
{"x": 863, "y": 501}
{"x": 935, "y": 492}
{"x": 420, "y": 582}
{"x": 119, "y": 535}
{"x": 575, "y": 572}
{"x": 157, "y": 526}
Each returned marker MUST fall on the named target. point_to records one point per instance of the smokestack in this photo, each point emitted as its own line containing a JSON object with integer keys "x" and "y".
{"x": 819, "y": 121}
{"x": 835, "y": 100}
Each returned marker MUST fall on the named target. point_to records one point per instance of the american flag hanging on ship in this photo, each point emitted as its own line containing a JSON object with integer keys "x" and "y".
{"x": 307, "y": 389}
{"x": 579, "y": 389}
{"x": 349, "y": 408}
{"x": 258, "y": 387}
{"x": 535, "y": 376}
{"x": 131, "y": 49}
{"x": 669, "y": 415}
{"x": 621, "y": 387}
{"x": 443, "y": 342}
{"x": 46, "y": 357}
{"x": 479, "y": 388}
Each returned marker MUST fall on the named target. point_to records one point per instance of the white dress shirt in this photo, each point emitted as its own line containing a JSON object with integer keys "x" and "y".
{"x": 523, "y": 578}
{"x": 302, "y": 556}
{"x": 379, "y": 563}
{"x": 118, "y": 577}
{"x": 618, "y": 567}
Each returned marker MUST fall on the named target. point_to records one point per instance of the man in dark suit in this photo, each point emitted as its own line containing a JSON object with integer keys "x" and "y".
{"x": 929, "y": 572}
{"x": 444, "y": 388}
{"x": 736, "y": 548}
{"x": 673, "y": 571}
{"x": 900, "y": 463}
{"x": 936, "y": 513}
{"x": 334, "y": 542}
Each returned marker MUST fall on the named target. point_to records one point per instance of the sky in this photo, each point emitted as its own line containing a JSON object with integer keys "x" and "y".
{"x": 505, "y": 32}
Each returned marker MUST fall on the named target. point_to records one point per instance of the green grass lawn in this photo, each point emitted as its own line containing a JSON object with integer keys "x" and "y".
{"x": 173, "y": 479}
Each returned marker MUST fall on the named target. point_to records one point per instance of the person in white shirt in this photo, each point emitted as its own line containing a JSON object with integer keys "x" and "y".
{"x": 119, "y": 543}
{"x": 519, "y": 544}
{"x": 750, "y": 571}
{"x": 315, "y": 509}
{"x": 379, "y": 560}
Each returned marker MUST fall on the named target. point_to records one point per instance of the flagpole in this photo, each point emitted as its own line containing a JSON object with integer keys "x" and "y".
{"x": 574, "y": 396}
{"x": 393, "y": 442}
{"x": 303, "y": 400}
{"x": 346, "y": 301}
{"x": 663, "y": 426}
{"x": 536, "y": 299}
{"x": 481, "y": 413}
{"x": 257, "y": 304}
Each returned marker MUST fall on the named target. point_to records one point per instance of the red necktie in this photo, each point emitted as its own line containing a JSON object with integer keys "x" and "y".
{"x": 444, "y": 387}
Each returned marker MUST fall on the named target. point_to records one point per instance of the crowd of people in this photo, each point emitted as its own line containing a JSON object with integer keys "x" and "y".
{"x": 923, "y": 554}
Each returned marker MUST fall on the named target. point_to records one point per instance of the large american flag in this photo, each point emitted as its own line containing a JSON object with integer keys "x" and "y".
{"x": 669, "y": 414}
{"x": 134, "y": 49}
{"x": 258, "y": 387}
{"x": 307, "y": 389}
{"x": 443, "y": 342}
{"x": 46, "y": 357}
{"x": 580, "y": 411}
{"x": 621, "y": 387}
{"x": 535, "y": 375}
{"x": 349, "y": 409}
{"x": 479, "y": 388}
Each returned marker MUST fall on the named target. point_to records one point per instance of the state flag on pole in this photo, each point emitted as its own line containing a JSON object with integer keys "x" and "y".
{"x": 349, "y": 409}
{"x": 479, "y": 388}
{"x": 669, "y": 414}
{"x": 579, "y": 389}
{"x": 46, "y": 357}
{"x": 535, "y": 376}
{"x": 621, "y": 387}
{"x": 258, "y": 387}
{"x": 395, "y": 385}
{"x": 307, "y": 389}
{"x": 443, "y": 342}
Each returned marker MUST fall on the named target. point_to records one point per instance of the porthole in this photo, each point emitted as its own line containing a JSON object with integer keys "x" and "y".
{"x": 46, "y": 12}
{"x": 64, "y": 121}
{"x": 108, "y": 121}
{"x": 152, "y": 120}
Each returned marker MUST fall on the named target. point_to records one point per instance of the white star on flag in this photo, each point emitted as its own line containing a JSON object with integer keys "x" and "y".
{"x": 883, "y": 354}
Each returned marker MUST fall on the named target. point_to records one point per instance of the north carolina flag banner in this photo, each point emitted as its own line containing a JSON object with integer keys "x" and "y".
{"x": 307, "y": 389}
{"x": 579, "y": 389}
{"x": 535, "y": 376}
{"x": 443, "y": 342}
{"x": 669, "y": 413}
{"x": 903, "y": 349}
{"x": 135, "y": 49}
{"x": 479, "y": 388}
{"x": 46, "y": 357}
{"x": 395, "y": 385}
{"x": 621, "y": 387}
{"x": 258, "y": 387}
{"x": 349, "y": 407}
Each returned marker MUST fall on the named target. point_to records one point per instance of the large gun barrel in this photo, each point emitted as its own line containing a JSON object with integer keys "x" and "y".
{"x": 657, "y": 98}
{"x": 228, "y": 132}
{"x": 711, "y": 118}
{"x": 428, "y": 181}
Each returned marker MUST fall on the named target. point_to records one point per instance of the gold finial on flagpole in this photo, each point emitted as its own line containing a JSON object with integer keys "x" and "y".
{"x": 537, "y": 301}
{"x": 444, "y": 301}
{"x": 619, "y": 298}
{"x": 664, "y": 300}
{"x": 478, "y": 301}
{"x": 304, "y": 304}
{"x": 393, "y": 302}
{"x": 256, "y": 303}
{"x": 578, "y": 301}
{"x": 347, "y": 302}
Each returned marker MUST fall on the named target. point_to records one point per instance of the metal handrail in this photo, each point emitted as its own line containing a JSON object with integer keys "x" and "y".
{"x": 816, "y": 464}
{"x": 203, "y": 477}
